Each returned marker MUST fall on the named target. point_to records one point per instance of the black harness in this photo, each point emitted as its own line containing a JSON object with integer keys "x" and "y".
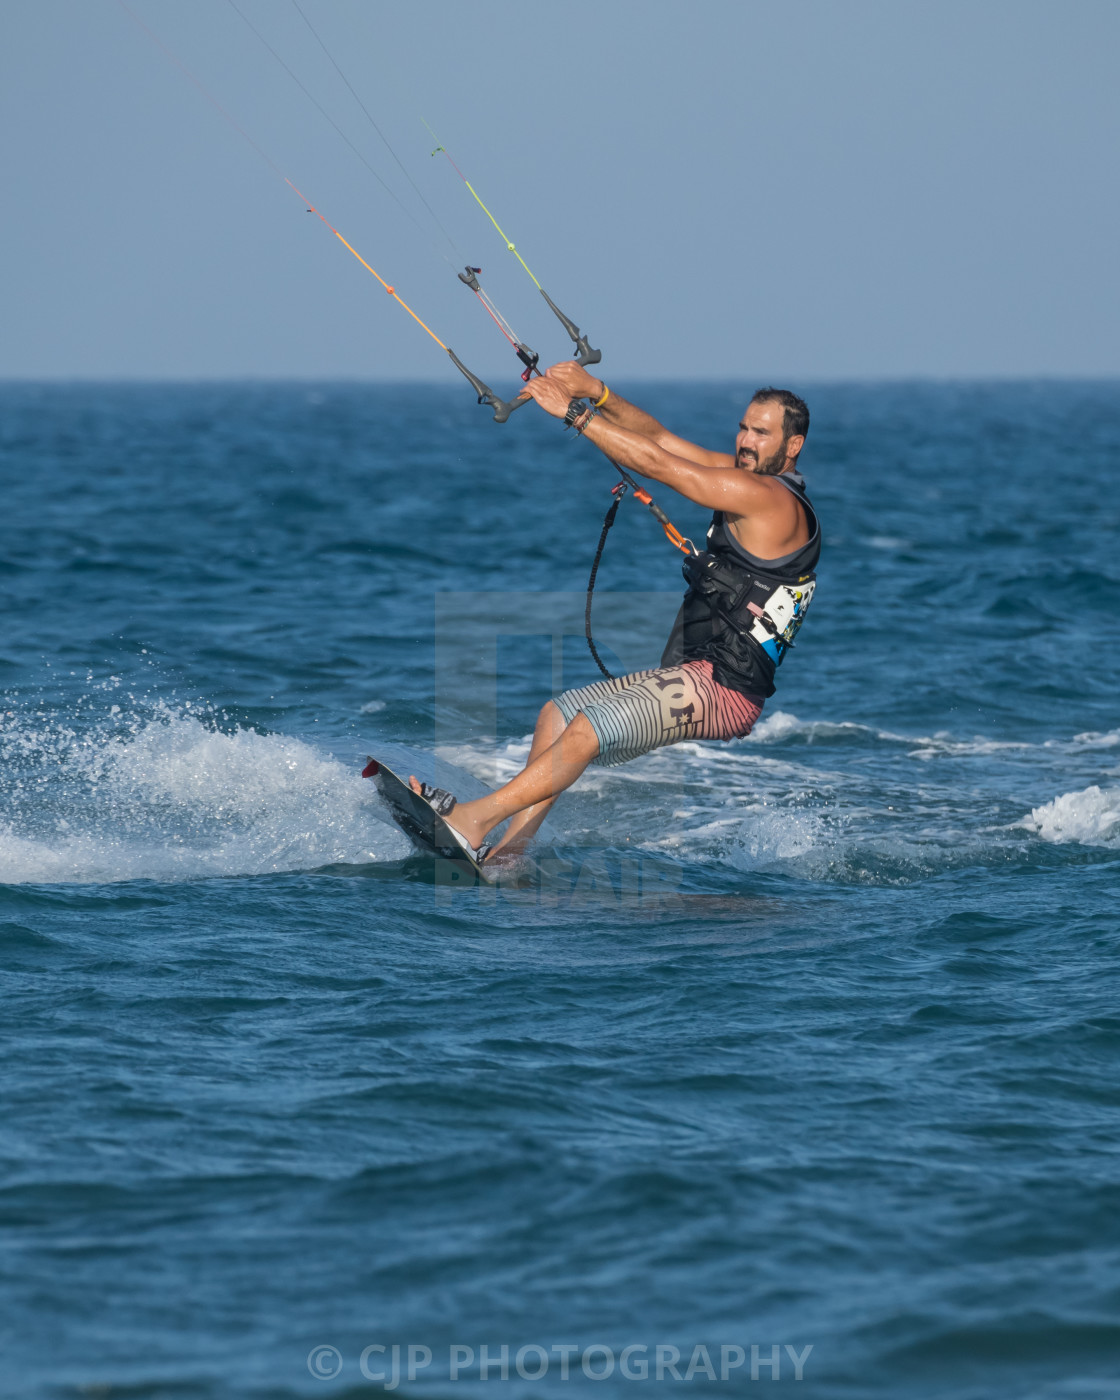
{"x": 740, "y": 612}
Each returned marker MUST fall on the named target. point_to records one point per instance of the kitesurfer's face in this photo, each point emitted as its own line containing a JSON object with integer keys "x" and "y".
{"x": 761, "y": 443}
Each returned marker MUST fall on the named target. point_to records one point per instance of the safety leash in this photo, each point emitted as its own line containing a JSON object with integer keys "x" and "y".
{"x": 618, "y": 492}
{"x": 672, "y": 534}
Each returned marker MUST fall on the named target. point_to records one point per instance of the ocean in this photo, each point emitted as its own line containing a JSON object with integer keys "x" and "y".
{"x": 788, "y": 1065}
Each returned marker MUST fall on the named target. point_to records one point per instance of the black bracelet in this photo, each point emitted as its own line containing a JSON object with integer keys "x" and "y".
{"x": 575, "y": 408}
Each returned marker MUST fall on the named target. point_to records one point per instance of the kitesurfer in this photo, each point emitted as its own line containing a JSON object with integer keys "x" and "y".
{"x": 747, "y": 595}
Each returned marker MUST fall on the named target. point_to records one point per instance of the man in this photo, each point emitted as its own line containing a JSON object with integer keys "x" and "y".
{"x": 748, "y": 592}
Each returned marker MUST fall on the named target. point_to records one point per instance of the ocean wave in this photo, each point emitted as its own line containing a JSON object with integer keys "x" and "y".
{"x": 167, "y": 792}
{"x": 736, "y": 808}
{"x": 845, "y": 844}
{"x": 781, "y": 727}
{"x": 1095, "y": 740}
{"x": 1088, "y": 818}
{"x": 168, "y": 795}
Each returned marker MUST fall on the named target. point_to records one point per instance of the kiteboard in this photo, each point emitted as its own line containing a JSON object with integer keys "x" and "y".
{"x": 426, "y": 829}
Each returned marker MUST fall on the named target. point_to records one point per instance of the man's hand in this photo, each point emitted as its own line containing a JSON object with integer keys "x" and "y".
{"x": 550, "y": 394}
{"x": 575, "y": 380}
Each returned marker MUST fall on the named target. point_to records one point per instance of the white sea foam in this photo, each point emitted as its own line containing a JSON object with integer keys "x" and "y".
{"x": 1093, "y": 740}
{"x": 492, "y": 765}
{"x": 769, "y": 836}
{"x": 944, "y": 745}
{"x": 780, "y": 726}
{"x": 170, "y": 797}
{"x": 777, "y": 725}
{"x": 1090, "y": 818}
{"x": 498, "y": 763}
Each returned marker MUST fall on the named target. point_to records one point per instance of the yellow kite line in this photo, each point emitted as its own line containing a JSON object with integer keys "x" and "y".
{"x": 501, "y": 231}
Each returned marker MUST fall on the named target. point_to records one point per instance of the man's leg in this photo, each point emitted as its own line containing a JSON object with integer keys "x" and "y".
{"x": 616, "y": 721}
{"x": 525, "y": 825}
{"x": 556, "y": 767}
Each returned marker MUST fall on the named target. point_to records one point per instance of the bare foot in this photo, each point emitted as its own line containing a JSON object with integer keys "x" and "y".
{"x": 464, "y": 824}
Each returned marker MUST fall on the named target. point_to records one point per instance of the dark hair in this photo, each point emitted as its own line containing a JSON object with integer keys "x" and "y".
{"x": 795, "y": 420}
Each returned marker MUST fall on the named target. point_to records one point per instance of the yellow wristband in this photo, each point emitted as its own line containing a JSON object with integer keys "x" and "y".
{"x": 606, "y": 395}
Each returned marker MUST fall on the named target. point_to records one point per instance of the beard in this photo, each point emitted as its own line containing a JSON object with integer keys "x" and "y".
{"x": 766, "y": 466}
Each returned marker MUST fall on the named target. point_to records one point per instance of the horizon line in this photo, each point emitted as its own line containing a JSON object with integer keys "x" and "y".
{"x": 139, "y": 380}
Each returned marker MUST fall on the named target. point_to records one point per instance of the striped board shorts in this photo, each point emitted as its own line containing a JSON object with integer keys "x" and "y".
{"x": 649, "y": 709}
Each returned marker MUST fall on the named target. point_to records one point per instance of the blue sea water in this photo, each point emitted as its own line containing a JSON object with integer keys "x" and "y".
{"x": 805, "y": 1042}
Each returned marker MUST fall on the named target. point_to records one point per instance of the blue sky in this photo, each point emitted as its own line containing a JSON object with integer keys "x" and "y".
{"x": 806, "y": 189}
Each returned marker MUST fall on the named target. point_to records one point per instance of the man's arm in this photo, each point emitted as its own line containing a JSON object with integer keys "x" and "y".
{"x": 721, "y": 486}
{"x": 578, "y": 384}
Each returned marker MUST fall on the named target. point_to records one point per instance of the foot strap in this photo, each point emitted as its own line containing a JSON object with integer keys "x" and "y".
{"x": 442, "y": 803}
{"x": 438, "y": 799}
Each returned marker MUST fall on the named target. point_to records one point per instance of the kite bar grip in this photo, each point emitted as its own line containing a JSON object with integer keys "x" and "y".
{"x": 486, "y": 395}
{"x": 502, "y": 409}
{"x": 584, "y": 353}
